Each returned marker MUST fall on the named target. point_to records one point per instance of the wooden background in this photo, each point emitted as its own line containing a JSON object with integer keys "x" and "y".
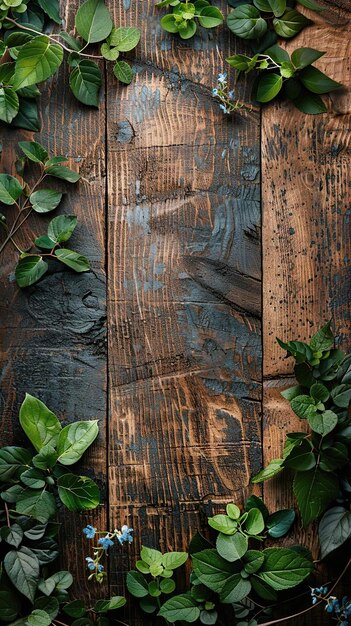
{"x": 197, "y": 267}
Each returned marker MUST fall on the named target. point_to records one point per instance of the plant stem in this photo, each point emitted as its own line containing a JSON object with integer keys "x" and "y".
{"x": 7, "y": 515}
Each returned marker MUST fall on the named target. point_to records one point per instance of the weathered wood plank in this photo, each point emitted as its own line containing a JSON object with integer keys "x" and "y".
{"x": 183, "y": 292}
{"x": 53, "y": 339}
{"x": 306, "y": 232}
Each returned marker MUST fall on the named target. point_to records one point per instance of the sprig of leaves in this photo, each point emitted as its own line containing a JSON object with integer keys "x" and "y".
{"x": 33, "y": 56}
{"x": 185, "y": 15}
{"x": 294, "y": 77}
{"x": 41, "y": 200}
{"x": 320, "y": 455}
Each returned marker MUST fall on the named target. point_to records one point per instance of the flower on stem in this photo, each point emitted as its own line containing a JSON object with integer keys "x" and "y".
{"x": 90, "y": 563}
{"x": 222, "y": 77}
{"x": 124, "y": 536}
{"x": 105, "y": 542}
{"x": 89, "y": 531}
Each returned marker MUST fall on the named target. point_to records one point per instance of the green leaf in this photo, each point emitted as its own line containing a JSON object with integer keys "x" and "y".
{"x": 78, "y": 493}
{"x": 284, "y": 568}
{"x": 231, "y": 548}
{"x": 30, "y": 269}
{"x": 124, "y": 38}
{"x": 323, "y": 423}
{"x": 75, "y": 261}
{"x": 334, "y": 529}
{"x": 268, "y": 87}
{"x": 302, "y": 57}
{"x": 314, "y": 490}
{"x": 173, "y": 560}
{"x": 46, "y": 458}
{"x": 310, "y": 103}
{"x": 73, "y": 43}
{"x": 223, "y": 524}
{"x": 263, "y": 590}
{"x": 274, "y": 468}
{"x": 75, "y": 439}
{"x": 137, "y": 585}
{"x": 278, "y": 7}
{"x": 39, "y": 423}
{"x": 182, "y": 607}
{"x": 45, "y": 200}
{"x": 60, "y": 581}
{"x": 169, "y": 24}
{"x": 33, "y": 478}
{"x": 235, "y": 589}
{"x": 9, "y": 104}
{"x": 8, "y": 605}
{"x": 116, "y": 602}
{"x": 61, "y": 228}
{"x": 301, "y": 457}
{"x": 13, "y": 461}
{"x": 239, "y": 62}
{"x": 28, "y": 115}
{"x": 49, "y": 605}
{"x": 44, "y": 242}
{"x": 324, "y": 338}
{"x": 52, "y": 9}
{"x": 10, "y": 189}
{"x": 167, "y": 585}
{"x": 151, "y": 556}
{"x": 38, "y": 618}
{"x": 341, "y": 396}
{"x": 319, "y": 392}
{"x": 212, "y": 570}
{"x": 291, "y": 23}
{"x": 85, "y": 82}
{"x": 75, "y": 608}
{"x": 13, "y": 535}
{"x": 110, "y": 54}
{"x": 246, "y": 22}
{"x": 254, "y": 522}
{"x": 254, "y": 502}
{"x": 22, "y": 568}
{"x": 279, "y": 523}
{"x": 253, "y": 561}
{"x": 311, "y": 4}
{"x": 93, "y": 21}
{"x": 334, "y": 457}
{"x": 63, "y": 172}
{"x": 13, "y": 494}
{"x": 123, "y": 72}
{"x": 233, "y": 511}
{"x": 304, "y": 406}
{"x": 210, "y": 17}
{"x": 38, "y": 504}
{"x": 37, "y": 60}
{"x": 34, "y": 151}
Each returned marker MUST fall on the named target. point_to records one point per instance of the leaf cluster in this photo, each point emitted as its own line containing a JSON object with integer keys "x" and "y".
{"x": 33, "y": 56}
{"x": 99, "y": 614}
{"x": 14, "y": 191}
{"x": 294, "y": 77}
{"x": 31, "y": 480}
{"x": 319, "y": 456}
{"x": 185, "y": 15}
{"x": 233, "y": 572}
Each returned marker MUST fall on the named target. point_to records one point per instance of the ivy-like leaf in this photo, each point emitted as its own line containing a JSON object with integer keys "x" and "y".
{"x": 137, "y": 585}
{"x": 284, "y": 568}
{"x": 302, "y": 57}
{"x": 37, "y": 60}
{"x": 214, "y": 571}
{"x": 246, "y": 22}
{"x": 22, "y": 568}
{"x": 37, "y": 504}
{"x": 182, "y": 607}
{"x": 39, "y": 423}
{"x": 124, "y": 38}
{"x": 10, "y": 189}
{"x": 30, "y": 269}
{"x": 63, "y": 172}
{"x": 93, "y": 21}
{"x": 231, "y": 548}
{"x": 75, "y": 261}
{"x": 78, "y": 492}
{"x": 45, "y": 200}
{"x": 291, "y": 23}
{"x": 61, "y": 228}
{"x": 38, "y": 618}
{"x": 34, "y": 151}
{"x": 75, "y": 439}
{"x": 123, "y": 72}
{"x": 85, "y": 82}
{"x": 52, "y": 9}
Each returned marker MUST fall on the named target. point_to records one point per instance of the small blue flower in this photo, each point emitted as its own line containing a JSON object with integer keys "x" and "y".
{"x": 223, "y": 108}
{"x": 90, "y": 563}
{"x": 314, "y": 600}
{"x": 222, "y": 77}
{"x": 89, "y": 531}
{"x": 105, "y": 542}
{"x": 231, "y": 94}
{"x": 100, "y": 568}
{"x": 125, "y": 535}
{"x": 215, "y": 92}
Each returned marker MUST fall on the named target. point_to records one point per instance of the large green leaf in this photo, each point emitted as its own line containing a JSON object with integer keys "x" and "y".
{"x": 323, "y": 423}
{"x": 13, "y": 461}
{"x": 39, "y": 423}
{"x": 9, "y": 104}
{"x": 28, "y": 115}
{"x": 314, "y": 490}
{"x": 231, "y": 548}
{"x": 291, "y": 23}
{"x": 45, "y": 200}
{"x": 212, "y": 570}
{"x": 30, "y": 269}
{"x": 75, "y": 261}
{"x": 22, "y": 568}
{"x": 302, "y": 57}
{"x": 37, "y": 60}
{"x": 268, "y": 87}
{"x": 93, "y": 21}
{"x": 75, "y": 439}
{"x": 61, "y": 228}
{"x": 78, "y": 492}
{"x": 277, "y": 6}
{"x": 52, "y": 9}
{"x": 137, "y": 585}
{"x": 182, "y": 607}
{"x": 284, "y": 568}
{"x": 37, "y": 504}
{"x": 10, "y": 189}
{"x": 173, "y": 560}
{"x": 38, "y": 618}
{"x": 310, "y": 103}
{"x": 341, "y": 396}
{"x": 33, "y": 478}
{"x": 334, "y": 529}
{"x": 34, "y": 151}
{"x": 304, "y": 406}
{"x": 246, "y": 22}
{"x": 85, "y": 82}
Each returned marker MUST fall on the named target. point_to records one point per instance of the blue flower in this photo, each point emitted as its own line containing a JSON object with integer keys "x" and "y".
{"x": 105, "y": 542}
{"x": 90, "y": 563}
{"x": 100, "y": 568}
{"x": 333, "y": 605}
{"x": 223, "y": 108}
{"x": 231, "y": 94}
{"x": 89, "y": 531}
{"x": 215, "y": 92}
{"x": 222, "y": 77}
{"x": 125, "y": 535}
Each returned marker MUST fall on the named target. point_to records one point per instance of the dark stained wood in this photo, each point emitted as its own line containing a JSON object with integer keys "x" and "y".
{"x": 184, "y": 290}
{"x": 53, "y": 338}
{"x": 306, "y": 234}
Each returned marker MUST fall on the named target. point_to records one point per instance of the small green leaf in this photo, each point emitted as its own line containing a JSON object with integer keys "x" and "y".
{"x": 169, "y": 24}
{"x": 110, "y": 54}
{"x": 231, "y": 548}
{"x": 13, "y": 461}
{"x": 30, "y": 269}
{"x": 284, "y": 568}
{"x": 37, "y": 504}
{"x": 75, "y": 439}
{"x": 37, "y": 60}
{"x": 75, "y": 261}
{"x": 33, "y": 478}
{"x": 49, "y": 605}
{"x": 10, "y": 189}
{"x": 291, "y": 23}
{"x": 39, "y": 423}
{"x": 44, "y": 242}
{"x": 223, "y": 524}
{"x": 9, "y": 104}
{"x": 254, "y": 502}
{"x": 124, "y": 38}
{"x": 187, "y": 29}
{"x": 246, "y": 22}
{"x": 182, "y": 607}
{"x": 278, "y": 7}
{"x": 210, "y": 17}
{"x": 63, "y": 172}
{"x": 274, "y": 468}
{"x": 38, "y": 618}
{"x": 233, "y": 511}
{"x": 324, "y": 338}
{"x": 279, "y": 523}
{"x": 13, "y": 536}
{"x": 167, "y": 585}
{"x": 301, "y": 457}
{"x": 214, "y": 571}
{"x": 85, "y": 82}
{"x": 123, "y": 72}
{"x": 137, "y": 585}
{"x": 323, "y": 423}
{"x": 45, "y": 200}
{"x": 304, "y": 406}
{"x": 173, "y": 560}
{"x": 269, "y": 85}
{"x": 341, "y": 395}
{"x": 78, "y": 493}
{"x": 93, "y": 21}
{"x": 34, "y": 151}
{"x": 151, "y": 556}
{"x": 254, "y": 522}
{"x": 75, "y": 608}
{"x": 61, "y": 228}
{"x": 46, "y": 459}
{"x": 302, "y": 57}
{"x": 319, "y": 392}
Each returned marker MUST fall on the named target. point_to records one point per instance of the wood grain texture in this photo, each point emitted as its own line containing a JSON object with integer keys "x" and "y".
{"x": 53, "y": 336}
{"x": 306, "y": 233}
{"x": 184, "y": 287}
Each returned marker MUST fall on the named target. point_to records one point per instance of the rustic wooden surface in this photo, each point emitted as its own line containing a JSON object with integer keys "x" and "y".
{"x": 171, "y": 212}
{"x": 306, "y": 234}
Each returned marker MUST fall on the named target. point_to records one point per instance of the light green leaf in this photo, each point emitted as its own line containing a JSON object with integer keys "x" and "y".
{"x": 182, "y": 607}
{"x": 314, "y": 490}
{"x": 334, "y": 529}
{"x": 212, "y": 570}
{"x": 278, "y": 7}
{"x": 269, "y": 85}
{"x": 85, "y": 81}
{"x": 284, "y": 568}
{"x": 10, "y": 189}
{"x": 46, "y": 458}
{"x": 110, "y": 54}
{"x": 9, "y": 104}
{"x": 39, "y": 423}
{"x": 34, "y": 151}
{"x": 231, "y": 548}
{"x": 78, "y": 493}
{"x": 37, "y": 60}
{"x": 324, "y": 338}
{"x": 33, "y": 478}
{"x": 75, "y": 261}
{"x": 188, "y": 29}
{"x": 124, "y": 39}
{"x": 304, "y": 406}
{"x": 151, "y": 556}
{"x": 29, "y": 270}
{"x": 319, "y": 392}
{"x": 52, "y": 9}
{"x": 123, "y": 72}
{"x": 341, "y": 396}
{"x": 173, "y": 560}
{"x": 93, "y": 21}
{"x": 169, "y": 24}
{"x": 323, "y": 423}
{"x": 210, "y": 17}
{"x": 22, "y": 568}
{"x": 246, "y": 22}
{"x": 44, "y": 242}
{"x": 274, "y": 468}
{"x": 103, "y": 606}
{"x": 45, "y": 200}
{"x": 254, "y": 522}
{"x": 233, "y": 511}
{"x": 75, "y": 439}
{"x": 224, "y": 524}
